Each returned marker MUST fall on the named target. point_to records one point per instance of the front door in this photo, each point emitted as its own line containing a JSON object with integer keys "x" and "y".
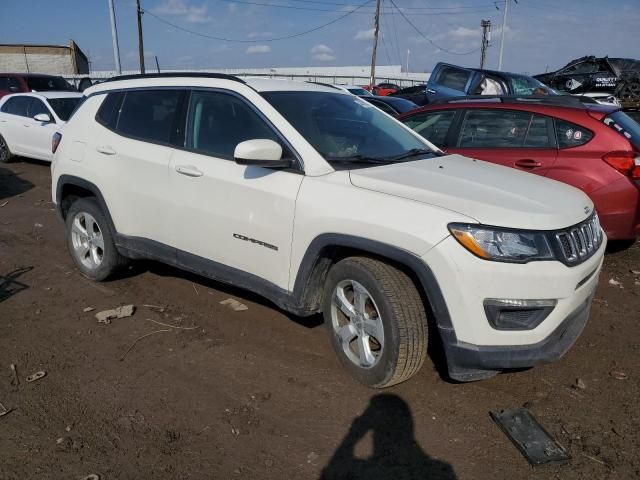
{"x": 237, "y": 216}
{"x": 513, "y": 138}
{"x": 38, "y": 134}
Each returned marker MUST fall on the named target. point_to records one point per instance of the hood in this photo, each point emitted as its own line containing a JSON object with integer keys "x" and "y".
{"x": 491, "y": 194}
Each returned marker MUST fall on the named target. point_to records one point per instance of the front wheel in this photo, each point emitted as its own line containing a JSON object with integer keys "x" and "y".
{"x": 377, "y": 321}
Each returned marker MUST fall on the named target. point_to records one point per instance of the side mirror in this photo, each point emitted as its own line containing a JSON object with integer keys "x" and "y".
{"x": 42, "y": 117}
{"x": 260, "y": 152}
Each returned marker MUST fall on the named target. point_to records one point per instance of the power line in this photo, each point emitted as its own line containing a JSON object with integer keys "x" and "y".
{"x": 395, "y": 33}
{"x": 339, "y": 10}
{"x": 428, "y": 39}
{"x": 321, "y": 2}
{"x": 286, "y": 37}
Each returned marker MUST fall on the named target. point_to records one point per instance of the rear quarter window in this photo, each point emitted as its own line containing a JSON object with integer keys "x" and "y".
{"x": 107, "y": 113}
{"x": 571, "y": 135}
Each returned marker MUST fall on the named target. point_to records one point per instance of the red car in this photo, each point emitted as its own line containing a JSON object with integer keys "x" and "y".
{"x": 383, "y": 89}
{"x": 593, "y": 147}
{"x": 32, "y": 82}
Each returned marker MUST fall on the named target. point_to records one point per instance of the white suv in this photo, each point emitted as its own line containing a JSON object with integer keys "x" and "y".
{"x": 320, "y": 202}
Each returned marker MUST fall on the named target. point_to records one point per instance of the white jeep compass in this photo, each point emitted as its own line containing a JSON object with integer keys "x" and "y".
{"x": 320, "y": 202}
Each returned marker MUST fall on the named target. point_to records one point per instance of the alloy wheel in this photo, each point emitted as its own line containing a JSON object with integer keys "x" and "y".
{"x": 87, "y": 240}
{"x": 357, "y": 323}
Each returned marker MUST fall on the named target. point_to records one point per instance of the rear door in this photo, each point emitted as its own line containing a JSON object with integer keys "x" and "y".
{"x": 512, "y": 138}
{"x": 449, "y": 81}
{"x": 133, "y": 152}
{"x": 13, "y": 117}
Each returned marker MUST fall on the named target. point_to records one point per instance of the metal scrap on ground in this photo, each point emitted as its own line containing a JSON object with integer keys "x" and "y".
{"x": 36, "y": 376}
{"x": 234, "y": 305}
{"x": 120, "y": 312}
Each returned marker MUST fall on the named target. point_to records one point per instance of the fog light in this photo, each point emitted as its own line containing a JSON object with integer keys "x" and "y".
{"x": 513, "y": 314}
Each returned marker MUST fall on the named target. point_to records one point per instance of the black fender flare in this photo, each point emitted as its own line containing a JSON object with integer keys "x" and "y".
{"x": 71, "y": 180}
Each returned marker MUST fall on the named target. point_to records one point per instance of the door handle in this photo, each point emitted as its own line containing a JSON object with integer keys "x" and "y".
{"x": 106, "y": 150}
{"x": 528, "y": 163}
{"x": 431, "y": 90}
{"x": 188, "y": 170}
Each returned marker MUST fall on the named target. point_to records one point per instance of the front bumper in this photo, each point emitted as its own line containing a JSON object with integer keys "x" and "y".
{"x": 467, "y": 362}
{"x": 473, "y": 347}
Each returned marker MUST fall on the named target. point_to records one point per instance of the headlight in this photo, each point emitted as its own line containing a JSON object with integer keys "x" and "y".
{"x": 502, "y": 245}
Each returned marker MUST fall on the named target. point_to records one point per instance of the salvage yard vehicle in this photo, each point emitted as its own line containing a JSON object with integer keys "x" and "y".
{"x": 602, "y": 78}
{"x": 32, "y": 82}
{"x": 318, "y": 201}
{"x": 448, "y": 80}
{"x": 392, "y": 106}
{"x": 29, "y": 120}
{"x": 593, "y": 147}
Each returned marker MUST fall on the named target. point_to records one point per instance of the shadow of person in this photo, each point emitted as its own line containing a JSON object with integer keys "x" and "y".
{"x": 396, "y": 454}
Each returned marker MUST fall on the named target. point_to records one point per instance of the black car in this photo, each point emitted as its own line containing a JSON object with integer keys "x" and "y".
{"x": 598, "y": 76}
{"x": 391, "y": 105}
{"x": 448, "y": 80}
{"x": 417, "y": 94}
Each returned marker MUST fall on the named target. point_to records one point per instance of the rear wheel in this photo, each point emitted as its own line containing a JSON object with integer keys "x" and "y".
{"x": 5, "y": 153}
{"x": 90, "y": 241}
{"x": 376, "y": 320}
{"x": 629, "y": 91}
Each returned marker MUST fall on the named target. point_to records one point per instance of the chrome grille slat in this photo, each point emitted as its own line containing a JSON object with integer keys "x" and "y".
{"x": 578, "y": 243}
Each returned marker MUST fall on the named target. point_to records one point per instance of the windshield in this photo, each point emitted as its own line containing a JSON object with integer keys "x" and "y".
{"x": 64, "y": 107}
{"x": 344, "y": 128}
{"x": 624, "y": 125}
{"x": 523, "y": 85}
{"x": 44, "y": 84}
{"x": 361, "y": 92}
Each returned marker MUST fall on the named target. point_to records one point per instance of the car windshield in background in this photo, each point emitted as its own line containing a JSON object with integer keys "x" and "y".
{"x": 46, "y": 84}
{"x": 347, "y": 129}
{"x": 360, "y": 92}
{"x": 624, "y": 125}
{"x": 64, "y": 107}
{"x": 523, "y": 85}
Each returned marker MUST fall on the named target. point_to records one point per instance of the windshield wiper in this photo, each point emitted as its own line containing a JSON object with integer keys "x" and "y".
{"x": 414, "y": 152}
{"x": 358, "y": 159}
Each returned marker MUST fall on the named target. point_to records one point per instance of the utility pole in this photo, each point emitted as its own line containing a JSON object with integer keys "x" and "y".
{"x": 486, "y": 38}
{"x": 376, "y": 28}
{"x": 504, "y": 26}
{"x": 408, "y": 53}
{"x": 140, "y": 43}
{"x": 114, "y": 38}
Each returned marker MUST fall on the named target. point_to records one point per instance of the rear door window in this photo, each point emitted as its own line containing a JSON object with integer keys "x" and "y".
{"x": 434, "y": 126}
{"x": 149, "y": 115}
{"x": 494, "y": 129}
{"x": 571, "y": 135}
{"x": 454, "y": 78}
{"x": 17, "y": 106}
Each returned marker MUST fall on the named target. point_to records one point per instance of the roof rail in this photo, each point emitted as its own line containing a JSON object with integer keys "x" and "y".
{"x": 136, "y": 76}
{"x": 322, "y": 84}
{"x": 566, "y": 100}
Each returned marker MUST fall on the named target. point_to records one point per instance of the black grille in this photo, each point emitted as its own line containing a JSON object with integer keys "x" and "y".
{"x": 580, "y": 242}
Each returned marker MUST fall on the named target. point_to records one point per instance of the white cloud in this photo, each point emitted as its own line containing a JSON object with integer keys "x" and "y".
{"x": 464, "y": 32}
{"x": 232, "y": 7}
{"x": 258, "y": 49}
{"x": 365, "y": 34}
{"x": 191, "y": 13}
{"x": 322, "y": 53}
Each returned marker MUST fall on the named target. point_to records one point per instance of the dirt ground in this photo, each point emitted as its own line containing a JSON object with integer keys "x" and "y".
{"x": 259, "y": 394}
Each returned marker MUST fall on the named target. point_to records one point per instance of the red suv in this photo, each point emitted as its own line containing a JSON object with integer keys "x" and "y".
{"x": 592, "y": 147}
{"x": 32, "y": 82}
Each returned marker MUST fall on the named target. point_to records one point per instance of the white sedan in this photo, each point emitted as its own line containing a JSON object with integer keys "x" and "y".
{"x": 29, "y": 120}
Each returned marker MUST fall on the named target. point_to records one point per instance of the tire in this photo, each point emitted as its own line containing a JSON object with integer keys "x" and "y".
{"x": 90, "y": 241}
{"x": 388, "y": 344}
{"x": 5, "y": 154}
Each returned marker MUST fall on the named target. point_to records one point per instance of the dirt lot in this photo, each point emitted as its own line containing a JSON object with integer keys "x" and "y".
{"x": 259, "y": 393}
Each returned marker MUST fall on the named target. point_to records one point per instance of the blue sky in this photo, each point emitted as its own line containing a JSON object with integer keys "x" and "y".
{"x": 541, "y": 34}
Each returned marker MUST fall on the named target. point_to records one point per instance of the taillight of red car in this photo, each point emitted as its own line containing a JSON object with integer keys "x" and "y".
{"x": 55, "y": 141}
{"x": 627, "y": 163}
